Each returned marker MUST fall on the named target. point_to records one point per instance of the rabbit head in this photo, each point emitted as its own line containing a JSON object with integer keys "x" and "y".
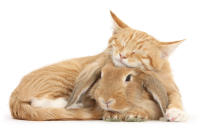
{"x": 120, "y": 89}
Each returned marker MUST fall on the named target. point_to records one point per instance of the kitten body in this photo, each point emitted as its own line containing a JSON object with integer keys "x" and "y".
{"x": 43, "y": 94}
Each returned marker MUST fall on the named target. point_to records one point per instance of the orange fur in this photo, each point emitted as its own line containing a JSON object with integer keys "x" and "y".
{"x": 51, "y": 82}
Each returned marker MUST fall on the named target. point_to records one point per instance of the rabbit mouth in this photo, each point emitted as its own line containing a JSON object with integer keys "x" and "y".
{"x": 111, "y": 105}
{"x": 119, "y": 110}
{"x": 115, "y": 110}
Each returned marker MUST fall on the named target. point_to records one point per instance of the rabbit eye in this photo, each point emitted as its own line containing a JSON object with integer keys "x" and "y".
{"x": 128, "y": 78}
{"x": 101, "y": 75}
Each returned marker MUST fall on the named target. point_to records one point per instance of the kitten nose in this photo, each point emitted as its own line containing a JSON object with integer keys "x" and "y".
{"x": 122, "y": 57}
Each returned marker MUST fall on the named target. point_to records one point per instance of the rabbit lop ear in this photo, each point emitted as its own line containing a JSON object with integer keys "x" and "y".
{"x": 86, "y": 79}
{"x": 158, "y": 92}
{"x": 84, "y": 82}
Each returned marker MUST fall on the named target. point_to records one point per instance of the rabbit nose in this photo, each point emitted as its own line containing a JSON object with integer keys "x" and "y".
{"x": 106, "y": 103}
{"x": 109, "y": 102}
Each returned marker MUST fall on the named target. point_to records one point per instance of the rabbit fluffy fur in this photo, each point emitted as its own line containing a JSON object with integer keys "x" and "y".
{"x": 129, "y": 95}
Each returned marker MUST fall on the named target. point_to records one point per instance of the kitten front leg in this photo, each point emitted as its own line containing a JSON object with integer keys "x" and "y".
{"x": 175, "y": 111}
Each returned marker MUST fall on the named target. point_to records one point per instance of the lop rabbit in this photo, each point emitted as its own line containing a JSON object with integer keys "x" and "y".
{"x": 128, "y": 94}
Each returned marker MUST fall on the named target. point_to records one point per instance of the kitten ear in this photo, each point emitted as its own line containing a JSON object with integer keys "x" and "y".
{"x": 118, "y": 24}
{"x": 168, "y": 47}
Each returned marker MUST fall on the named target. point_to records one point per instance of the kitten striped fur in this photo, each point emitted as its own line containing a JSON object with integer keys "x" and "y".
{"x": 41, "y": 94}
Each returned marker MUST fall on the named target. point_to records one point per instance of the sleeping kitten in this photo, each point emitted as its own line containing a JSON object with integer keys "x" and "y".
{"x": 133, "y": 48}
{"x": 137, "y": 49}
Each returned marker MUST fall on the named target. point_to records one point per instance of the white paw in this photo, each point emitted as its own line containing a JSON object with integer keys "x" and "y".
{"x": 176, "y": 115}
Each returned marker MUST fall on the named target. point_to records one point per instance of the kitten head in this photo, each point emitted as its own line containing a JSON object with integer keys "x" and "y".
{"x": 133, "y": 48}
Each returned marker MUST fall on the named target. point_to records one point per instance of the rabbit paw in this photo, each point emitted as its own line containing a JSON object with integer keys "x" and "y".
{"x": 176, "y": 115}
{"x": 136, "y": 116}
{"x": 112, "y": 116}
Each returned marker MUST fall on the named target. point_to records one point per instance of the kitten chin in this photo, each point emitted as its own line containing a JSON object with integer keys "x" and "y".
{"x": 123, "y": 64}
{"x": 118, "y": 63}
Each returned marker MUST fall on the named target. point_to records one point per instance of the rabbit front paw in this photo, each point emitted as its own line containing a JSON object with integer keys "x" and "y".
{"x": 112, "y": 116}
{"x": 136, "y": 116}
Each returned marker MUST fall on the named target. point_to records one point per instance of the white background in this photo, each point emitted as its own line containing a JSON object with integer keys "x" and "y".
{"x": 35, "y": 33}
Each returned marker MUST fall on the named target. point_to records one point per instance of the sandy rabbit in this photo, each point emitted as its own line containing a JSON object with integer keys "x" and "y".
{"x": 128, "y": 94}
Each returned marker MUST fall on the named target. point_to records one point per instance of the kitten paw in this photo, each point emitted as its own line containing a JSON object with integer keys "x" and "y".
{"x": 112, "y": 116}
{"x": 176, "y": 115}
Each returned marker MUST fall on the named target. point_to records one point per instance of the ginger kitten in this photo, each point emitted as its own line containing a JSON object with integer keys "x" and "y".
{"x": 133, "y": 48}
